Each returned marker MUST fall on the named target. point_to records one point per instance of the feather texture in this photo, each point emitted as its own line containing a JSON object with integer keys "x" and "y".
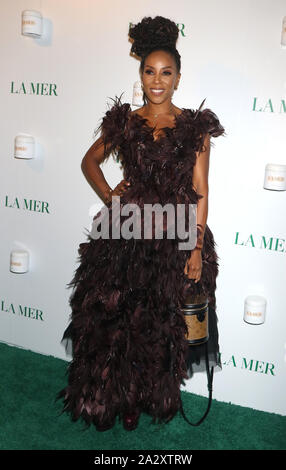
{"x": 126, "y": 328}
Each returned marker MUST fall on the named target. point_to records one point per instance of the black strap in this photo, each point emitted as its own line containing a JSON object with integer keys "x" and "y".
{"x": 210, "y": 383}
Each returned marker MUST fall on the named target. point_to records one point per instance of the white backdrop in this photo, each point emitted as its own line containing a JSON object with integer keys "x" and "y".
{"x": 231, "y": 54}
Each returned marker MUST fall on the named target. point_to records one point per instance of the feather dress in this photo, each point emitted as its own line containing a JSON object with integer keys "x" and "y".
{"x": 127, "y": 331}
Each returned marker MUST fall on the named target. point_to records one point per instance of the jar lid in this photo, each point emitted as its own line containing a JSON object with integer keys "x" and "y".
{"x": 25, "y": 138}
{"x": 32, "y": 13}
{"x": 276, "y": 167}
{"x": 255, "y": 300}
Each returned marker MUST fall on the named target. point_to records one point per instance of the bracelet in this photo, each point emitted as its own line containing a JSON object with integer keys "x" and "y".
{"x": 198, "y": 248}
{"x": 108, "y": 199}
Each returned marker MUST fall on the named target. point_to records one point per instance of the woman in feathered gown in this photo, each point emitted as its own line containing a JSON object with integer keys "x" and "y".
{"x": 128, "y": 333}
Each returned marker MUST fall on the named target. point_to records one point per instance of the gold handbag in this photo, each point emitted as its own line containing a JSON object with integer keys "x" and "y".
{"x": 195, "y": 309}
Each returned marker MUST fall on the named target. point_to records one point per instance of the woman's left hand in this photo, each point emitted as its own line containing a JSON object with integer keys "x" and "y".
{"x": 193, "y": 266}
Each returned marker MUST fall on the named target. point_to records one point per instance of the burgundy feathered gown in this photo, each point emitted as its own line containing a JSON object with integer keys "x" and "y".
{"x": 126, "y": 328}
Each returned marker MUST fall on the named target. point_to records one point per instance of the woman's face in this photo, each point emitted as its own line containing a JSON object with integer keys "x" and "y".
{"x": 159, "y": 77}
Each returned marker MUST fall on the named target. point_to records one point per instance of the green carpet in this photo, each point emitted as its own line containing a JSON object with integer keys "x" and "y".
{"x": 30, "y": 418}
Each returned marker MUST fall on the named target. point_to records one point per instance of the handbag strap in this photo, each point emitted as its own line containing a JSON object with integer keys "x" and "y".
{"x": 210, "y": 383}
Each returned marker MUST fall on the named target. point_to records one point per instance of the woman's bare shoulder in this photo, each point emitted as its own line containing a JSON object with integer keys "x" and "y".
{"x": 137, "y": 111}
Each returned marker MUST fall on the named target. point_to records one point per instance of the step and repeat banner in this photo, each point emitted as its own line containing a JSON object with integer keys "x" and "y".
{"x": 62, "y": 62}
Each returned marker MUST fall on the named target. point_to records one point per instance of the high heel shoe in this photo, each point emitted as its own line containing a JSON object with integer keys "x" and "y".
{"x": 130, "y": 420}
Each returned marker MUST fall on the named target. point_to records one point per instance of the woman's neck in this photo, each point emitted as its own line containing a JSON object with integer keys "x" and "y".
{"x": 152, "y": 109}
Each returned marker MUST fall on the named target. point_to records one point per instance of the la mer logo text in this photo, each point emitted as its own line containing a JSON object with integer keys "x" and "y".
{"x": 267, "y": 106}
{"x": 42, "y": 89}
{"x": 254, "y": 314}
{"x": 262, "y": 242}
{"x": 21, "y": 310}
{"x": 28, "y": 22}
{"x": 251, "y": 365}
{"x": 27, "y": 204}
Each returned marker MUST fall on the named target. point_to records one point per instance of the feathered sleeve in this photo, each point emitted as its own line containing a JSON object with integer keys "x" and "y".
{"x": 206, "y": 121}
{"x": 112, "y": 127}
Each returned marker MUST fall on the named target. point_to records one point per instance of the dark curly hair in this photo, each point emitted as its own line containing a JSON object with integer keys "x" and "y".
{"x": 153, "y": 34}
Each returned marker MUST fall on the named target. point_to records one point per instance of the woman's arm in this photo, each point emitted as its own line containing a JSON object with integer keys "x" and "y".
{"x": 193, "y": 267}
{"x": 91, "y": 169}
{"x": 201, "y": 185}
{"x": 90, "y": 166}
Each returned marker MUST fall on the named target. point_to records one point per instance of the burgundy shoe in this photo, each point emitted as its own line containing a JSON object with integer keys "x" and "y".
{"x": 130, "y": 420}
